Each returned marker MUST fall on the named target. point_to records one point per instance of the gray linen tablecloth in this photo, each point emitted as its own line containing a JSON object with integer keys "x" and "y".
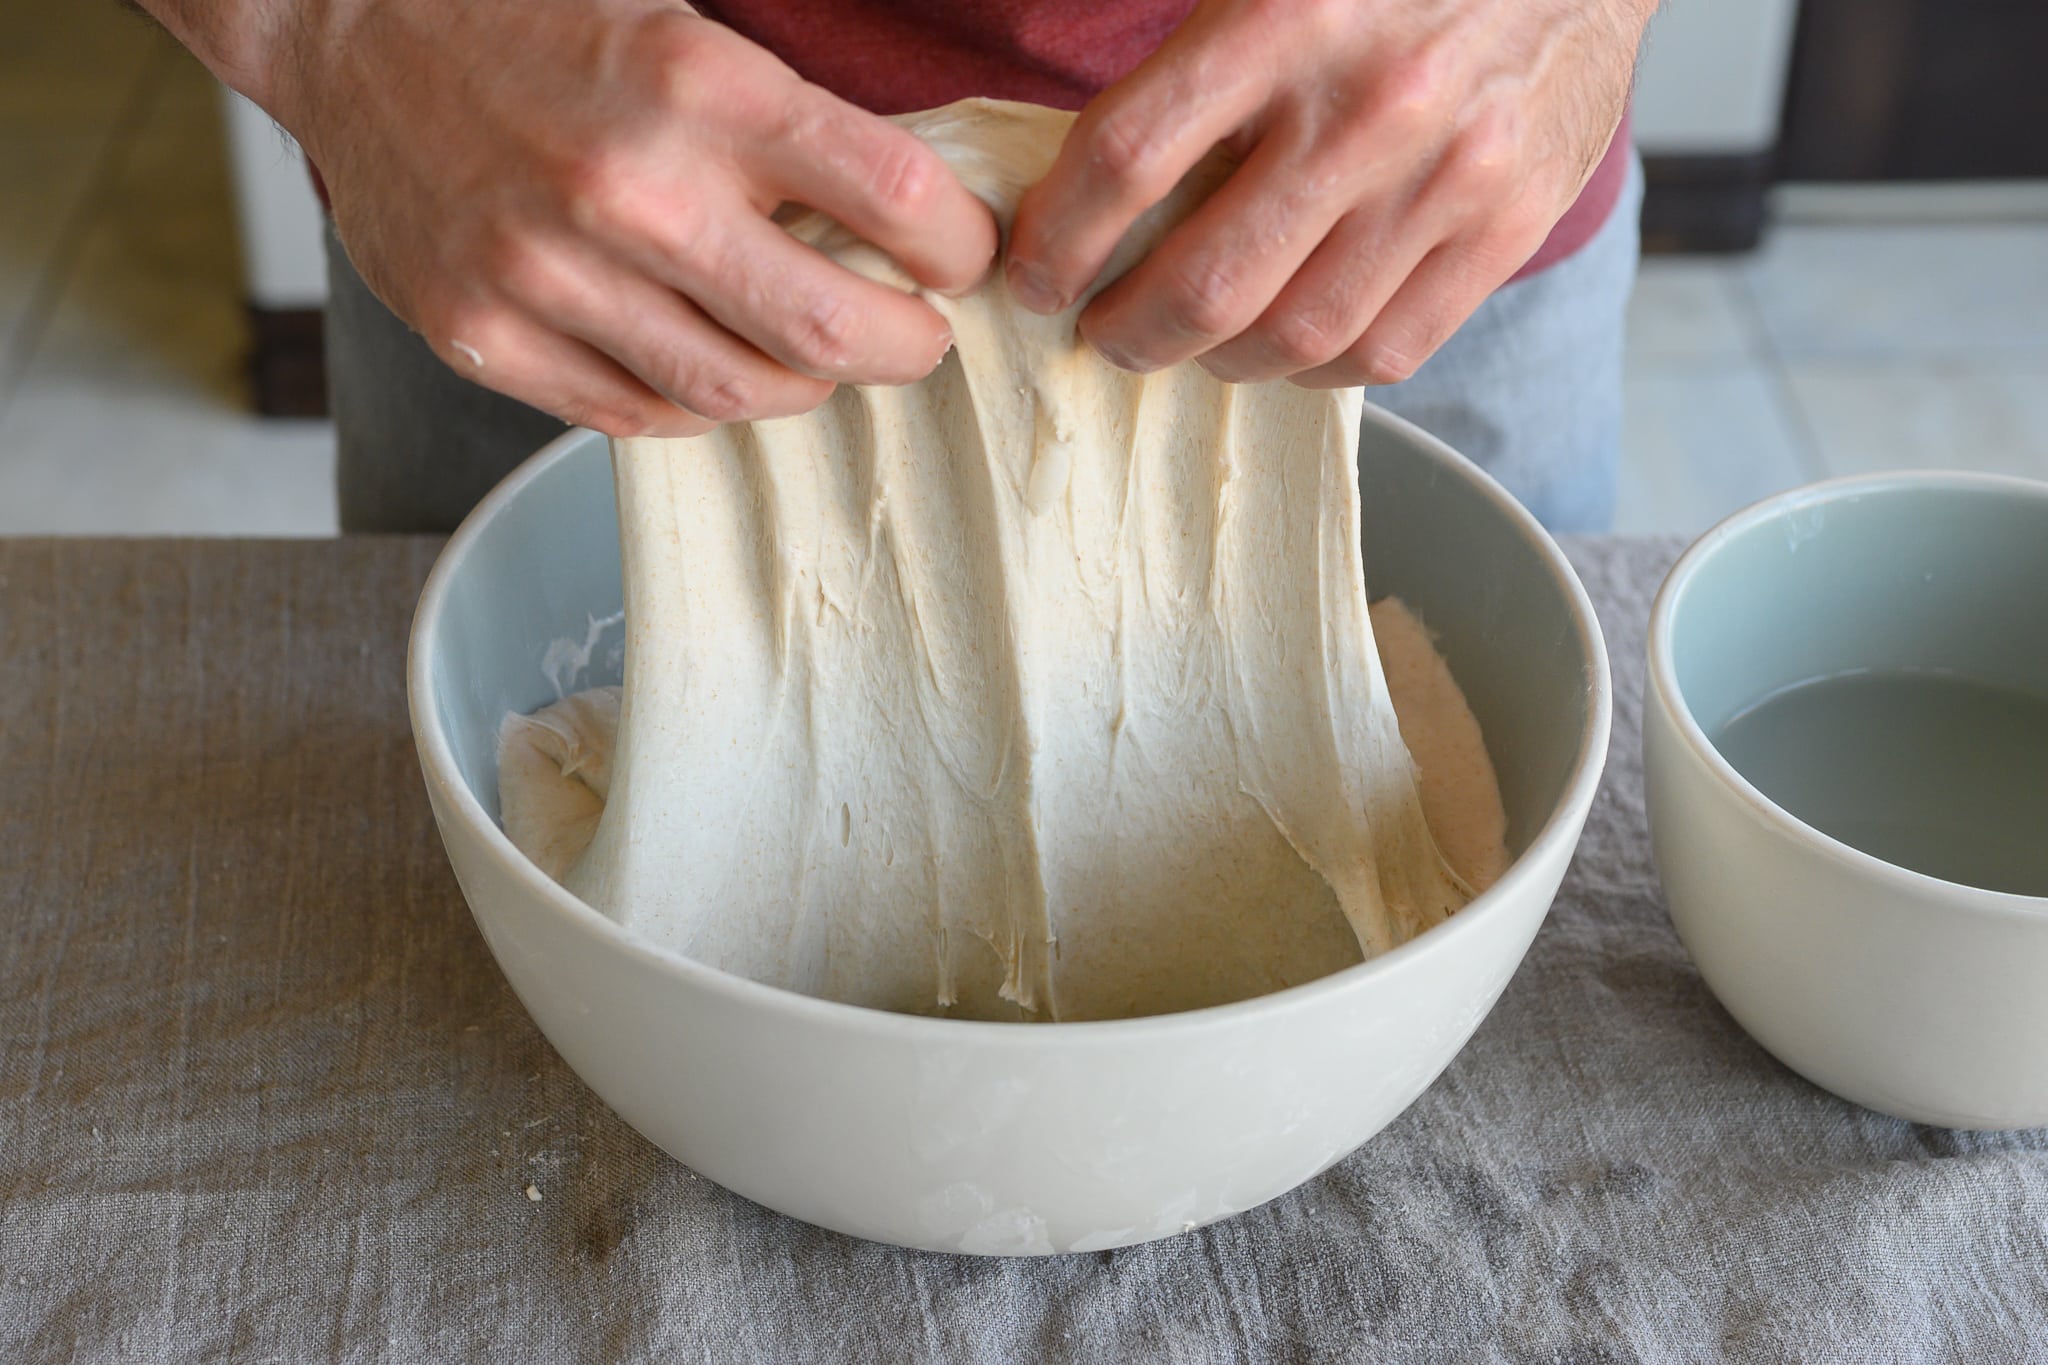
{"x": 264, "y": 1096}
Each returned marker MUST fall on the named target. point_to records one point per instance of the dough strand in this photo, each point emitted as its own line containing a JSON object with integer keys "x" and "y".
{"x": 1034, "y": 690}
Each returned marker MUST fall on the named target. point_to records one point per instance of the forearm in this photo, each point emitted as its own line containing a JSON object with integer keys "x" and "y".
{"x": 245, "y": 43}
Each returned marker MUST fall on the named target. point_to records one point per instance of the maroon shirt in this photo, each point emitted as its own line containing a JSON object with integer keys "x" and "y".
{"x": 893, "y": 56}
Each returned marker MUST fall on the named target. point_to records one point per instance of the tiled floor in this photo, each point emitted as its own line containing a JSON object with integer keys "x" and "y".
{"x": 1856, "y": 340}
{"x": 123, "y": 407}
{"x": 1840, "y": 348}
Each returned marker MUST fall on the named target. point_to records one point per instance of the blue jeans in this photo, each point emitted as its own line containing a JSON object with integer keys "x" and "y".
{"x": 1530, "y": 388}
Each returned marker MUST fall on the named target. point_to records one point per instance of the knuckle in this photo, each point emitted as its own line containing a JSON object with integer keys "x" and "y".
{"x": 1481, "y": 163}
{"x": 1302, "y": 341}
{"x": 678, "y": 55}
{"x": 1351, "y": 145}
{"x": 703, "y": 74}
{"x": 1316, "y": 18}
{"x": 721, "y": 398}
{"x": 899, "y": 172}
{"x": 1131, "y": 153}
{"x": 598, "y": 190}
{"x": 1381, "y": 362}
{"x": 902, "y": 180}
{"x": 823, "y": 337}
{"x": 1412, "y": 97}
{"x": 631, "y": 422}
{"x": 684, "y": 232}
{"x": 1329, "y": 17}
{"x": 438, "y": 315}
{"x": 1489, "y": 143}
{"x": 613, "y": 418}
{"x": 801, "y": 122}
{"x": 459, "y": 330}
{"x": 1327, "y": 23}
{"x": 583, "y": 412}
{"x": 519, "y": 266}
{"x": 1206, "y": 301}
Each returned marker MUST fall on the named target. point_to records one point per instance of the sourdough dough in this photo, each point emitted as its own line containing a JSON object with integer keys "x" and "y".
{"x": 1033, "y": 690}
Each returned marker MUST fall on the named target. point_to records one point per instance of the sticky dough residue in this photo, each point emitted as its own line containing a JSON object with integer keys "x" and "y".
{"x": 1033, "y": 690}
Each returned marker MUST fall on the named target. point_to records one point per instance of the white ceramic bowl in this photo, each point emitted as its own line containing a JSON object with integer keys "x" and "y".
{"x": 1907, "y": 994}
{"x": 1010, "y": 1138}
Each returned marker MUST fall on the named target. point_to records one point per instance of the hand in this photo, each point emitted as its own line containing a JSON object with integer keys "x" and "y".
{"x": 572, "y": 200}
{"x": 1399, "y": 160}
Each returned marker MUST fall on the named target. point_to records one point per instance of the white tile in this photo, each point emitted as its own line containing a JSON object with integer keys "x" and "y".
{"x": 130, "y": 414}
{"x": 1700, "y": 444}
{"x": 1873, "y": 291}
{"x": 84, "y": 457}
{"x": 1978, "y": 413}
{"x": 1686, "y": 310}
{"x": 1918, "y": 201}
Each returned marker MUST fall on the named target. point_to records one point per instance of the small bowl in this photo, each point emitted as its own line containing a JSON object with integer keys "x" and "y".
{"x": 1008, "y": 1138}
{"x": 1914, "y": 996}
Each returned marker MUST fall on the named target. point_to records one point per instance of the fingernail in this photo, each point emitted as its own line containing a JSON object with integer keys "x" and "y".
{"x": 1032, "y": 287}
{"x": 945, "y": 347}
{"x": 1124, "y": 360}
{"x": 970, "y": 290}
{"x": 1220, "y": 369}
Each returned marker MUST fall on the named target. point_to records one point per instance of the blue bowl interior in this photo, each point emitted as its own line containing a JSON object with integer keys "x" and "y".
{"x": 540, "y": 579}
{"x": 1450, "y": 543}
{"x": 1903, "y": 575}
{"x": 542, "y": 575}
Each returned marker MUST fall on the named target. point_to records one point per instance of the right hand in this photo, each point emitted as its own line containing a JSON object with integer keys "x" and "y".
{"x": 571, "y": 200}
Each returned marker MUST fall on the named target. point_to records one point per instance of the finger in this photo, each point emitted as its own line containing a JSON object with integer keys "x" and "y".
{"x": 1130, "y": 146}
{"x": 1331, "y": 300}
{"x": 791, "y": 301}
{"x": 1215, "y": 274}
{"x": 1454, "y": 222}
{"x": 520, "y": 357}
{"x": 1431, "y": 304}
{"x": 660, "y": 336}
{"x": 678, "y": 351}
{"x": 884, "y": 184}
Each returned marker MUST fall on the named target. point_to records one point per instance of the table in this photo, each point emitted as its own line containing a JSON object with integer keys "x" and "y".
{"x": 264, "y": 1095}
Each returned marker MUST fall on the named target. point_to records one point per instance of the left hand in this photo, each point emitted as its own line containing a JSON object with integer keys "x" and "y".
{"x": 1399, "y": 160}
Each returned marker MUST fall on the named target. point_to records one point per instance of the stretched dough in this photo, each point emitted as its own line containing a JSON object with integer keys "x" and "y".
{"x": 1033, "y": 690}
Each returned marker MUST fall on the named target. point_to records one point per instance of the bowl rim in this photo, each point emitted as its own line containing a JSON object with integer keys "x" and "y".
{"x": 1670, "y": 697}
{"x": 438, "y": 765}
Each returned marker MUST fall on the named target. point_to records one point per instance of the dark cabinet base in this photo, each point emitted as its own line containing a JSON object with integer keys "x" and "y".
{"x": 1704, "y": 203}
{"x": 287, "y": 362}
{"x": 1917, "y": 90}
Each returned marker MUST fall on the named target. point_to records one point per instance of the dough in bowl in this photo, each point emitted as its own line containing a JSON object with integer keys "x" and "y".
{"x": 1034, "y": 690}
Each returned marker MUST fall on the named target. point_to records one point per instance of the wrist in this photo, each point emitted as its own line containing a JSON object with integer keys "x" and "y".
{"x": 1638, "y": 13}
{"x": 252, "y": 46}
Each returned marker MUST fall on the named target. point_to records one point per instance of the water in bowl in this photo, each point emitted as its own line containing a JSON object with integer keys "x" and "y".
{"x": 1942, "y": 774}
